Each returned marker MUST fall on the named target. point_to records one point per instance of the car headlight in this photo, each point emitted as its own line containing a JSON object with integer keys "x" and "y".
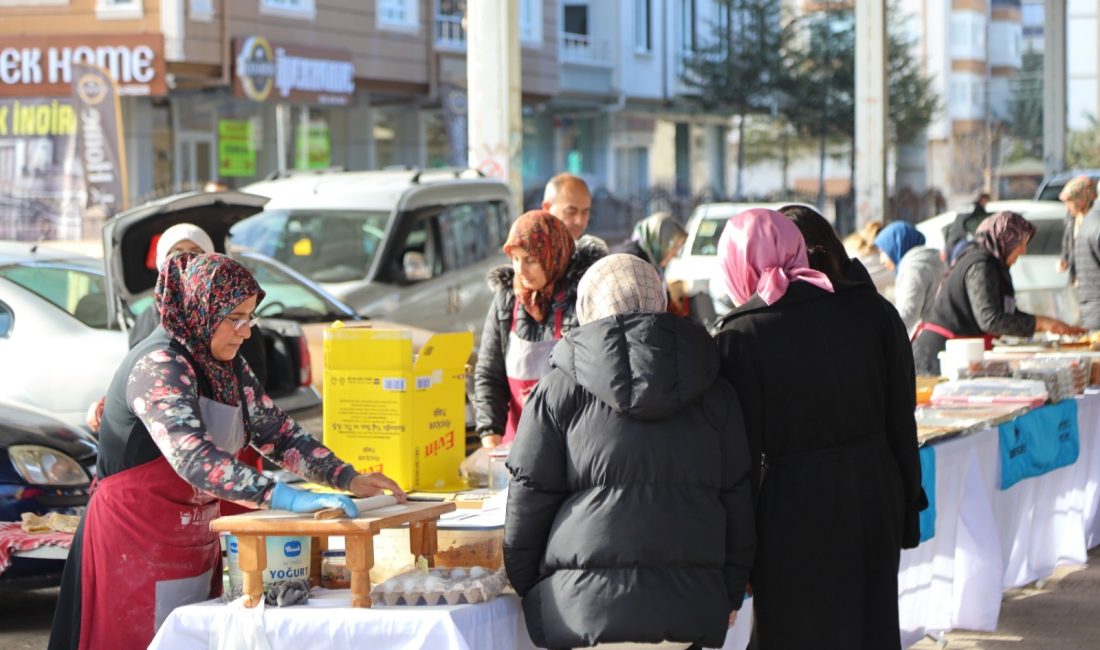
{"x": 45, "y": 466}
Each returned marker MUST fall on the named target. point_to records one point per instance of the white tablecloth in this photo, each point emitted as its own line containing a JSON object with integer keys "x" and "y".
{"x": 988, "y": 540}
{"x": 328, "y": 621}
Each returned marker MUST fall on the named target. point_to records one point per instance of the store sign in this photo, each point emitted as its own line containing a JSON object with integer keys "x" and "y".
{"x": 99, "y": 140}
{"x": 264, "y": 71}
{"x": 41, "y": 185}
{"x": 43, "y": 65}
{"x": 236, "y": 153}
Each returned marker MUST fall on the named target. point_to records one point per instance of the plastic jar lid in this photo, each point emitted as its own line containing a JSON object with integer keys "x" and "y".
{"x": 332, "y": 553}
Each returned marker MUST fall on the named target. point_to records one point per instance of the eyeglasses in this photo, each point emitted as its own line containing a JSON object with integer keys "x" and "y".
{"x": 241, "y": 323}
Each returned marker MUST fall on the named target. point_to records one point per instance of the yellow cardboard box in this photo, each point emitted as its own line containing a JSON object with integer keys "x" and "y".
{"x": 385, "y": 412}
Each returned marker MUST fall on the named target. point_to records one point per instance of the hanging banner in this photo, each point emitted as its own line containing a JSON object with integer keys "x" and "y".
{"x": 41, "y": 184}
{"x": 99, "y": 141}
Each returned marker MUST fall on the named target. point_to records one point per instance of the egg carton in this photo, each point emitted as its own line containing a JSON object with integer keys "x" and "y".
{"x": 439, "y": 587}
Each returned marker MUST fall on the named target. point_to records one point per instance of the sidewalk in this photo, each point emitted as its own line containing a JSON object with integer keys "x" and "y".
{"x": 1063, "y": 615}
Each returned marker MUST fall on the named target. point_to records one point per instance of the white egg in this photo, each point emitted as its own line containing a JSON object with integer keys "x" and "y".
{"x": 433, "y": 584}
{"x": 477, "y": 572}
{"x": 408, "y": 585}
{"x": 458, "y": 573}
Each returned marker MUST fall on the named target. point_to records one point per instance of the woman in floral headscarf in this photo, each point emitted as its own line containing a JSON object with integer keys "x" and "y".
{"x": 535, "y": 304}
{"x": 821, "y": 370}
{"x": 1078, "y": 195}
{"x": 182, "y": 403}
{"x": 977, "y": 300}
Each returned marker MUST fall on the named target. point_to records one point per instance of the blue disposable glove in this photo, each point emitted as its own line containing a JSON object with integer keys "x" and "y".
{"x": 284, "y": 497}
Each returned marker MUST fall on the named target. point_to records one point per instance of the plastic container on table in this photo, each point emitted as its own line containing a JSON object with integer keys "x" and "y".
{"x": 334, "y": 570}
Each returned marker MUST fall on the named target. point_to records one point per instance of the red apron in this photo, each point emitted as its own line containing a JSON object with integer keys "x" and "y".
{"x": 525, "y": 364}
{"x": 147, "y": 549}
{"x": 948, "y": 334}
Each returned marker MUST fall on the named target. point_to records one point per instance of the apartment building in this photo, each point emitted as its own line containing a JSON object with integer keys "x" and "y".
{"x": 972, "y": 50}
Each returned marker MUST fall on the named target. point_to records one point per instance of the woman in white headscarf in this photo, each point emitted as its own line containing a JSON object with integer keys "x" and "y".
{"x": 629, "y": 511}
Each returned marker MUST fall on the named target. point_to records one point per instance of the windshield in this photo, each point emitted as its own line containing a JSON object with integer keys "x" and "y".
{"x": 287, "y": 297}
{"x": 323, "y": 245}
{"x": 706, "y": 238}
{"x": 80, "y": 293}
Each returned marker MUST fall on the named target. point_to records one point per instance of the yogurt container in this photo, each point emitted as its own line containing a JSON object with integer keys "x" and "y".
{"x": 288, "y": 558}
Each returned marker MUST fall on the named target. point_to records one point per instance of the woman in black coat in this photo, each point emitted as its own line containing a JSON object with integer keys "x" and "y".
{"x": 977, "y": 300}
{"x": 629, "y": 511}
{"x": 825, "y": 378}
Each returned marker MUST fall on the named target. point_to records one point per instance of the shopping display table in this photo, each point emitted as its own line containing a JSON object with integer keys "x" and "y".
{"x": 253, "y": 528}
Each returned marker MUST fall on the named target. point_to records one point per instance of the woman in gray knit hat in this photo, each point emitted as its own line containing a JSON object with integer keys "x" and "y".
{"x": 629, "y": 511}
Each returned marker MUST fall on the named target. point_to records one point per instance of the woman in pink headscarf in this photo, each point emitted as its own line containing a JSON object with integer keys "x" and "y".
{"x": 825, "y": 378}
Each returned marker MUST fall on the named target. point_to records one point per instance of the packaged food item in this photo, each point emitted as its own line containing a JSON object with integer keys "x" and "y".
{"x": 986, "y": 368}
{"x": 1057, "y": 374}
{"x": 334, "y": 570}
{"x": 990, "y": 390}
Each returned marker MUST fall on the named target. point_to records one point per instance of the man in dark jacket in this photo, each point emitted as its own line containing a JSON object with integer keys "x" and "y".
{"x": 629, "y": 512}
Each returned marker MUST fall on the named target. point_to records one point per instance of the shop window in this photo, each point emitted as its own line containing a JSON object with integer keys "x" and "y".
{"x": 631, "y": 170}
{"x": 385, "y": 139}
{"x": 118, "y": 9}
{"x": 303, "y": 9}
{"x": 404, "y": 14}
{"x": 437, "y": 144}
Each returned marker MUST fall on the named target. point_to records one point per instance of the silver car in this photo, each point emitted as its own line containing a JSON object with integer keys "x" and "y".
{"x": 407, "y": 246}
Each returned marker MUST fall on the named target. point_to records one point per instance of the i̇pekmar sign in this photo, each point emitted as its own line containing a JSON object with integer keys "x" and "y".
{"x": 264, "y": 71}
{"x": 42, "y": 66}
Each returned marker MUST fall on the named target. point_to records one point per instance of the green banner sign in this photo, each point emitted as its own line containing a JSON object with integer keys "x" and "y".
{"x": 236, "y": 153}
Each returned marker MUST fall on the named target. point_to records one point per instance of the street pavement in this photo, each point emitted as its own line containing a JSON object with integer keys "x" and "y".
{"x": 1063, "y": 615}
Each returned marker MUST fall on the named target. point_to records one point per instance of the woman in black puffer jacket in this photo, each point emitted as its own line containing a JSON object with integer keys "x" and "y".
{"x": 629, "y": 511}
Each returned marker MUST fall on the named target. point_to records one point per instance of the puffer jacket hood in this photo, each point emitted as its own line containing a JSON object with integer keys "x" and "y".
{"x": 588, "y": 252}
{"x": 644, "y": 366}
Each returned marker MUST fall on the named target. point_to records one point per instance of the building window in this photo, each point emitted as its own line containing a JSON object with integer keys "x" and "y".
{"x": 118, "y": 9}
{"x": 688, "y": 42}
{"x": 303, "y": 9}
{"x": 403, "y": 14}
{"x": 530, "y": 21}
{"x": 449, "y": 28}
{"x": 32, "y": 3}
{"x": 575, "y": 19}
{"x": 202, "y": 10}
{"x": 643, "y": 32}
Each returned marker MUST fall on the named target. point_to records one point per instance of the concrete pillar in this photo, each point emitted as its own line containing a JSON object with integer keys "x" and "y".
{"x": 871, "y": 111}
{"x": 1054, "y": 85}
{"x": 493, "y": 80}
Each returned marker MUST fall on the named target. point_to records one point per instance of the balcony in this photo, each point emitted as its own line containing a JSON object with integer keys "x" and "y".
{"x": 583, "y": 49}
{"x": 449, "y": 32}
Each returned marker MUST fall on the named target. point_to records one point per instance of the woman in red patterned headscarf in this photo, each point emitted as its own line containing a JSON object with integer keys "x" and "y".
{"x": 535, "y": 303}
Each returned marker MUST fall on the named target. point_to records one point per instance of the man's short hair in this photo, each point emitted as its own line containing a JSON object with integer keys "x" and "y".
{"x": 554, "y": 185}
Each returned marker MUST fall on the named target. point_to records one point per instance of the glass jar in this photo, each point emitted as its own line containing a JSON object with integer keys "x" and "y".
{"x": 334, "y": 570}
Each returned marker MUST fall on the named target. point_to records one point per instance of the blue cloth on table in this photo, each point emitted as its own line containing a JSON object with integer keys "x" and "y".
{"x": 1038, "y": 442}
{"x": 928, "y": 482}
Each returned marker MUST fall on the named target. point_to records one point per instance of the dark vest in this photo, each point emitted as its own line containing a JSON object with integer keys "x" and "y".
{"x": 124, "y": 442}
{"x": 952, "y": 309}
{"x": 1086, "y": 259}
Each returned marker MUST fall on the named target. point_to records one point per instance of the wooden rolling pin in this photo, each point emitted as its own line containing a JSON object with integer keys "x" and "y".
{"x": 370, "y": 503}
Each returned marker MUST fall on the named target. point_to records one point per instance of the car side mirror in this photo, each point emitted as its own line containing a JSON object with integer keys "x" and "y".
{"x": 416, "y": 266}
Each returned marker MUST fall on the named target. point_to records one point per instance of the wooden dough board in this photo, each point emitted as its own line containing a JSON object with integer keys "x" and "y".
{"x": 266, "y": 522}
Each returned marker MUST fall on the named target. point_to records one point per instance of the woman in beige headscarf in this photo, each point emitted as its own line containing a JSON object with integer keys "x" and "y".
{"x": 631, "y": 464}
